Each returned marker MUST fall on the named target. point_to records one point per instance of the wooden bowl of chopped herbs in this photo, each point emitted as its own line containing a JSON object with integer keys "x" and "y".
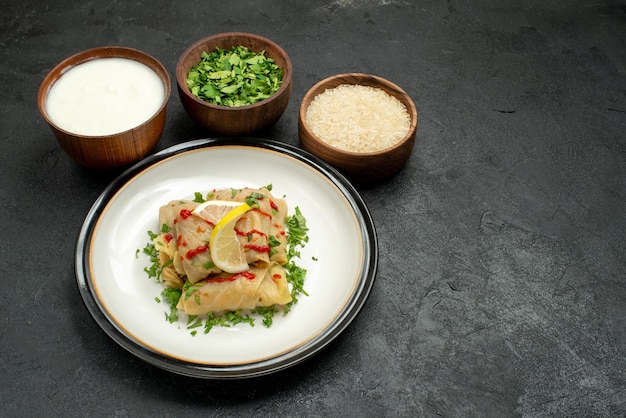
{"x": 234, "y": 83}
{"x": 362, "y": 124}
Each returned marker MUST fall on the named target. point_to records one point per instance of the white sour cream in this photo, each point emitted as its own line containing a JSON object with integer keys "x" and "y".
{"x": 105, "y": 96}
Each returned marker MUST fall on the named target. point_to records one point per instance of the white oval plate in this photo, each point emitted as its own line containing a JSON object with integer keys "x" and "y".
{"x": 340, "y": 258}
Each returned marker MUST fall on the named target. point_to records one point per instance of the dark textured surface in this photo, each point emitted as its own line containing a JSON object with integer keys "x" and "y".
{"x": 502, "y": 287}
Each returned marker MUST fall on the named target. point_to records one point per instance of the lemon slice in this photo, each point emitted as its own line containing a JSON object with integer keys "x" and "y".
{"x": 226, "y": 252}
{"x": 214, "y": 210}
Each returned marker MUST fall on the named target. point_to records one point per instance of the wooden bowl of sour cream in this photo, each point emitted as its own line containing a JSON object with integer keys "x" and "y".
{"x": 106, "y": 106}
{"x": 362, "y": 124}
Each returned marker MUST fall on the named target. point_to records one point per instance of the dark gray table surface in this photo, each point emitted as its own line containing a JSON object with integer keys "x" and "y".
{"x": 501, "y": 288}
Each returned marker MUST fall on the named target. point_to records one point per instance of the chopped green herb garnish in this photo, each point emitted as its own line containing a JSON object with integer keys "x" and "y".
{"x": 213, "y": 320}
{"x": 198, "y": 197}
{"x": 296, "y": 238}
{"x": 297, "y": 233}
{"x": 236, "y": 317}
{"x": 273, "y": 243}
{"x": 189, "y": 289}
{"x": 154, "y": 270}
{"x": 253, "y": 199}
{"x": 193, "y": 321}
{"x": 267, "y": 312}
{"x": 171, "y": 296}
{"x": 295, "y": 276}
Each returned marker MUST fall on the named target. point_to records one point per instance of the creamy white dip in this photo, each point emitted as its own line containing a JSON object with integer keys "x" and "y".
{"x": 105, "y": 96}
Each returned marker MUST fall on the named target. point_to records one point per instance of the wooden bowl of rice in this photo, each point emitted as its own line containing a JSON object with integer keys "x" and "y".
{"x": 362, "y": 124}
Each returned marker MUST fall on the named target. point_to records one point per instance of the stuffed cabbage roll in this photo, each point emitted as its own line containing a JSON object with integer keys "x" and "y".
{"x": 262, "y": 230}
{"x": 186, "y": 240}
{"x": 253, "y": 288}
{"x": 185, "y": 259}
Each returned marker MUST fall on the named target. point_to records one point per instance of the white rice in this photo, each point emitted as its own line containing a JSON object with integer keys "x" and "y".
{"x": 358, "y": 118}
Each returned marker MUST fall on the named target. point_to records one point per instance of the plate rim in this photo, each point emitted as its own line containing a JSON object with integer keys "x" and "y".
{"x": 352, "y": 307}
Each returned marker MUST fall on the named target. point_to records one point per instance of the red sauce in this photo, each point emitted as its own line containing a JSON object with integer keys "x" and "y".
{"x": 168, "y": 238}
{"x": 260, "y": 212}
{"x": 198, "y": 250}
{"x": 185, "y": 213}
{"x": 273, "y": 205}
{"x": 257, "y": 248}
{"x": 246, "y": 274}
{"x": 252, "y": 231}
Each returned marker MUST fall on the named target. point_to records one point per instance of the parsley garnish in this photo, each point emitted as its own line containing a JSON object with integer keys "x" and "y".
{"x": 198, "y": 197}
{"x": 193, "y": 321}
{"x": 267, "y": 312}
{"x": 154, "y": 270}
{"x": 213, "y": 320}
{"x": 253, "y": 199}
{"x": 171, "y": 297}
{"x": 296, "y": 238}
{"x": 273, "y": 243}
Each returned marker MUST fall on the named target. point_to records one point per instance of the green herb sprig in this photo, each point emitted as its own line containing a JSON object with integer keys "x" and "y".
{"x": 297, "y": 238}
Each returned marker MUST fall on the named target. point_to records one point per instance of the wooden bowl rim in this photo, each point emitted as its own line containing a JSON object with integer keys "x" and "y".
{"x": 87, "y": 55}
{"x": 310, "y": 95}
{"x": 181, "y": 78}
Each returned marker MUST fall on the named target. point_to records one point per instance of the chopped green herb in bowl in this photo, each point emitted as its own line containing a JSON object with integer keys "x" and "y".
{"x": 235, "y": 83}
{"x": 234, "y": 77}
